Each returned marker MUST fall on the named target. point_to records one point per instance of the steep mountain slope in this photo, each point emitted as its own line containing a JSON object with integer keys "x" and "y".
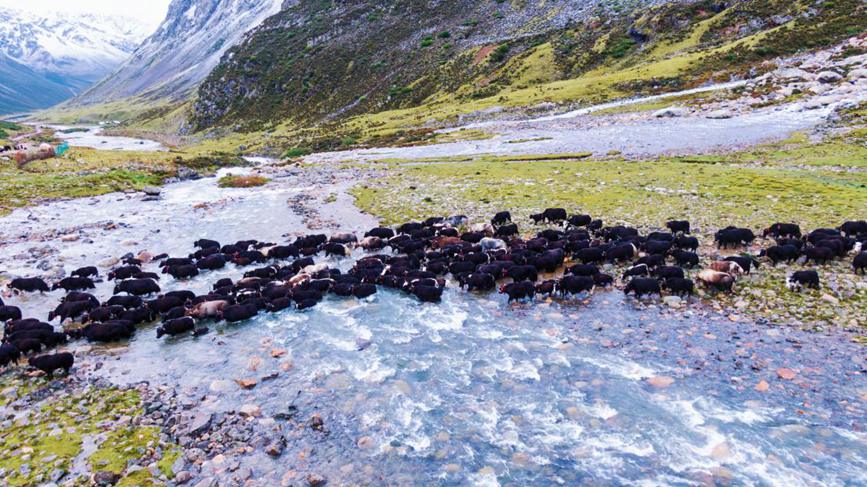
{"x": 358, "y": 68}
{"x": 22, "y": 89}
{"x": 55, "y": 56}
{"x": 187, "y": 45}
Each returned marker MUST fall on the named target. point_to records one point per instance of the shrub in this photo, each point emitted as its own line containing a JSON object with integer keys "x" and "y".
{"x": 499, "y": 53}
{"x": 296, "y": 152}
{"x": 233, "y": 181}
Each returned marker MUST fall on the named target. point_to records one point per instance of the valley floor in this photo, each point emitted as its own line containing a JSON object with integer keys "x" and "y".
{"x": 751, "y": 387}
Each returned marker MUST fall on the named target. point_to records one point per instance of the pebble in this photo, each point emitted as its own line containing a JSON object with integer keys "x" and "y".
{"x": 660, "y": 381}
{"x": 250, "y": 410}
{"x": 787, "y": 374}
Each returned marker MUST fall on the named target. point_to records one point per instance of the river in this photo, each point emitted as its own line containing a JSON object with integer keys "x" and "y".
{"x": 92, "y": 136}
{"x": 599, "y": 389}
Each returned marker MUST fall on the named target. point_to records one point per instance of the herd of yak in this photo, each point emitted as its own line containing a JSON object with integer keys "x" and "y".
{"x": 421, "y": 254}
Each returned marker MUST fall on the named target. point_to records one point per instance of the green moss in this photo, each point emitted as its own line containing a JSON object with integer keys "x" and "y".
{"x": 52, "y": 437}
{"x": 122, "y": 446}
{"x": 168, "y": 460}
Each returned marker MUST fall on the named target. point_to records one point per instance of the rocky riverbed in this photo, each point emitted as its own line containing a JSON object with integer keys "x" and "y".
{"x": 388, "y": 390}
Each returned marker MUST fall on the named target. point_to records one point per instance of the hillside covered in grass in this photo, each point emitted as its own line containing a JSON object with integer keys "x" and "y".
{"x": 329, "y": 74}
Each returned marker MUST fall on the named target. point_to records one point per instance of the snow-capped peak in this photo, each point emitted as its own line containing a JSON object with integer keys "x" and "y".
{"x": 83, "y": 46}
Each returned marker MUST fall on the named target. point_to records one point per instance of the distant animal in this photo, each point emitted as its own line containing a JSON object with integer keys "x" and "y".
{"x": 853, "y": 228}
{"x": 780, "y": 253}
{"x": 716, "y": 280}
{"x": 642, "y": 286}
{"x": 679, "y": 286}
{"x": 86, "y": 272}
{"x": 239, "y": 312}
{"x": 668, "y": 272}
{"x": 110, "y": 331}
{"x": 746, "y": 262}
{"x": 75, "y": 284}
{"x": 9, "y": 354}
{"x": 580, "y": 220}
{"x": 71, "y": 310}
{"x": 501, "y": 218}
{"x": 176, "y": 327}
{"x": 128, "y": 302}
{"x": 637, "y": 270}
{"x": 29, "y": 285}
{"x": 8, "y": 313}
{"x": 51, "y": 363}
{"x": 778, "y": 230}
{"x": 678, "y": 226}
{"x": 125, "y": 272}
{"x": 800, "y": 279}
{"x": 819, "y": 255}
{"x": 519, "y": 290}
{"x": 859, "y": 263}
{"x": 184, "y": 271}
{"x": 205, "y": 244}
{"x": 479, "y": 281}
{"x": 726, "y": 266}
{"x": 137, "y": 287}
{"x": 575, "y": 284}
{"x": 685, "y": 258}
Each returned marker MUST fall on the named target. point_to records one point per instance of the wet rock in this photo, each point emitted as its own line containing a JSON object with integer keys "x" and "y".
{"x": 275, "y": 448}
{"x": 829, "y": 77}
{"x": 250, "y": 410}
{"x": 57, "y": 474}
{"x": 762, "y": 386}
{"x": 786, "y": 374}
{"x": 858, "y": 74}
{"x": 220, "y": 386}
{"x": 152, "y": 191}
{"x": 316, "y": 422}
{"x": 105, "y": 478}
{"x": 183, "y": 477}
{"x": 185, "y": 173}
{"x": 247, "y": 383}
{"x": 660, "y": 381}
{"x": 314, "y": 480}
{"x": 199, "y": 424}
{"x": 671, "y": 112}
{"x": 107, "y": 263}
{"x": 720, "y": 114}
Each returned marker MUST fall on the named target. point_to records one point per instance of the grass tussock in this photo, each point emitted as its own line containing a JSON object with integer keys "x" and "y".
{"x": 235, "y": 181}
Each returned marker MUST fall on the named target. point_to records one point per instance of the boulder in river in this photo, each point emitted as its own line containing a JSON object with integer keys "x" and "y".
{"x": 671, "y": 112}
{"x": 720, "y": 114}
{"x": 829, "y": 77}
{"x": 151, "y": 190}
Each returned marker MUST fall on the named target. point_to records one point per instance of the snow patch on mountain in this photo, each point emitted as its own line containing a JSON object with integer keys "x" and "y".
{"x": 84, "y": 47}
{"x": 171, "y": 63}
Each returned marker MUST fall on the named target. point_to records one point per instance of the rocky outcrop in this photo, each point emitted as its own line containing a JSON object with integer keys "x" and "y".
{"x": 176, "y": 58}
